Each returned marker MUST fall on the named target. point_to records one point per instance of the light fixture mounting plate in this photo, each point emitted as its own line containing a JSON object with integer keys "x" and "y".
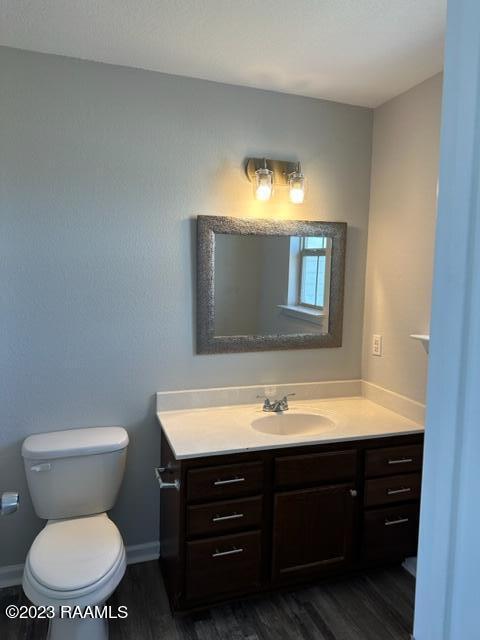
{"x": 280, "y": 168}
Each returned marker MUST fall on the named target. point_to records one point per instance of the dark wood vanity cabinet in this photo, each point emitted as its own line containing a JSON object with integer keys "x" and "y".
{"x": 249, "y": 522}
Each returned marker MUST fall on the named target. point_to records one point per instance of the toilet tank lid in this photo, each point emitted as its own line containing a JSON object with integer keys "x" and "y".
{"x": 74, "y": 442}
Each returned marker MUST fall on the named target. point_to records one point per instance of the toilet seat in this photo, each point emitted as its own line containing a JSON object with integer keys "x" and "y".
{"x": 70, "y": 559}
{"x": 73, "y": 554}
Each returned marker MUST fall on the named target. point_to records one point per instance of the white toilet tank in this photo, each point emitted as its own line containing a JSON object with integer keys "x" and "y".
{"x": 76, "y": 472}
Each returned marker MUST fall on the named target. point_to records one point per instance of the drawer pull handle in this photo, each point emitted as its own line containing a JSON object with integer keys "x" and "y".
{"x": 220, "y": 554}
{"x": 394, "y": 492}
{"x": 218, "y": 483}
{"x": 233, "y": 516}
{"x": 389, "y": 523}
{"x": 400, "y": 460}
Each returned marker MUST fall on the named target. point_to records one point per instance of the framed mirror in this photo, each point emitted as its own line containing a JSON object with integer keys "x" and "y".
{"x": 269, "y": 284}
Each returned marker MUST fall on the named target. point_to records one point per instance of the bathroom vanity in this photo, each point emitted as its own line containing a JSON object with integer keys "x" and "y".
{"x": 246, "y": 521}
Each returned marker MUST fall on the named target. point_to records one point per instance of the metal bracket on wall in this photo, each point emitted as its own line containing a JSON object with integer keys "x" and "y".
{"x": 280, "y": 168}
{"x": 9, "y": 501}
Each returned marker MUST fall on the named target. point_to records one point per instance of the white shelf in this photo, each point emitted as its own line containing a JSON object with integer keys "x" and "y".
{"x": 423, "y": 338}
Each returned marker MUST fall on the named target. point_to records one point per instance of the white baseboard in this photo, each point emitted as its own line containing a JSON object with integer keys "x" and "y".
{"x": 143, "y": 552}
{"x": 11, "y": 575}
{"x": 402, "y": 405}
{"x": 410, "y": 564}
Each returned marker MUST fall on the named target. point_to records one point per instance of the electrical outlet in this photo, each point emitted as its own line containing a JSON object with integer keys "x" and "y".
{"x": 377, "y": 345}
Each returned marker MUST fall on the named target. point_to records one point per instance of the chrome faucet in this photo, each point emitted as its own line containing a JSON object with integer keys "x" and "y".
{"x": 277, "y": 406}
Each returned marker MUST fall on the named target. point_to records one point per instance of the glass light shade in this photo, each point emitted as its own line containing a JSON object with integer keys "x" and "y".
{"x": 296, "y": 183}
{"x": 263, "y": 184}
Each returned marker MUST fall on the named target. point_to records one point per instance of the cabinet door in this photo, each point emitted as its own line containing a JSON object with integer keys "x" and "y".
{"x": 312, "y": 531}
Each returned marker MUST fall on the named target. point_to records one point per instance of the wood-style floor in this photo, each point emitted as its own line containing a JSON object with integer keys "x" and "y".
{"x": 377, "y": 605}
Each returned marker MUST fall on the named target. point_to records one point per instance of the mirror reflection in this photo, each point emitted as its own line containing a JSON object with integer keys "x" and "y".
{"x": 271, "y": 285}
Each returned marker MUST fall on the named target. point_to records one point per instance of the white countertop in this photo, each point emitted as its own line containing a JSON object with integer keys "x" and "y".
{"x": 195, "y": 433}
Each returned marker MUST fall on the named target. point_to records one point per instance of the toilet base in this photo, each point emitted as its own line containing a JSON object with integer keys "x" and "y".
{"x": 77, "y": 629}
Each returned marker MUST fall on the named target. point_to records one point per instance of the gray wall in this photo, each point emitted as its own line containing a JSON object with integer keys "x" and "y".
{"x": 401, "y": 237}
{"x": 238, "y": 273}
{"x": 102, "y": 170}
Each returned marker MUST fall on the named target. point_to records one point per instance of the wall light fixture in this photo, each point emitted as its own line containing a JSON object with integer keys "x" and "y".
{"x": 265, "y": 175}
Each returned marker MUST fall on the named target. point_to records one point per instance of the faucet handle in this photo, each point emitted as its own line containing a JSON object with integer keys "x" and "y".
{"x": 284, "y": 401}
{"x": 266, "y": 402}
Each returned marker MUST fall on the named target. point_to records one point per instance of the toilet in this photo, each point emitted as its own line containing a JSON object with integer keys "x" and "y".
{"x": 78, "y": 559}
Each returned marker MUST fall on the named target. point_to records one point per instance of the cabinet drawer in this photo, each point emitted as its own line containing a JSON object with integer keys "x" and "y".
{"x": 223, "y": 565}
{"x": 228, "y": 515}
{"x": 224, "y": 481}
{"x": 392, "y": 489}
{"x": 393, "y": 460}
{"x": 390, "y": 534}
{"x": 315, "y": 468}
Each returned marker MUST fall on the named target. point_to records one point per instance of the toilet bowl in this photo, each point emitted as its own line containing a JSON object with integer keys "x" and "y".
{"x": 78, "y": 559}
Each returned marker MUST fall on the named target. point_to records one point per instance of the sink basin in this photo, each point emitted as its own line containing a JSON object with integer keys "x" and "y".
{"x": 293, "y": 424}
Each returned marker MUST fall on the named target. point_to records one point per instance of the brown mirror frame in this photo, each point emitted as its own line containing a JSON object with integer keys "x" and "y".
{"x": 208, "y": 226}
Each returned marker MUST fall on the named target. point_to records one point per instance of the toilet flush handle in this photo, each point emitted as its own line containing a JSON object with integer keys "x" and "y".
{"x": 44, "y": 466}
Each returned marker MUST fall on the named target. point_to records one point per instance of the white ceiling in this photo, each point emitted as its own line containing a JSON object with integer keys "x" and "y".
{"x": 356, "y": 51}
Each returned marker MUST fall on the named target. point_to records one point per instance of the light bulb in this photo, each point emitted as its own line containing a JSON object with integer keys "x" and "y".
{"x": 263, "y": 184}
{"x": 296, "y": 182}
{"x": 263, "y": 192}
{"x": 297, "y": 195}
